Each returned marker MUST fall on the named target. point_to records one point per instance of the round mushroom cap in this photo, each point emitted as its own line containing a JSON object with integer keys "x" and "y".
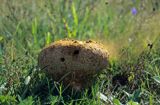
{"x": 75, "y": 63}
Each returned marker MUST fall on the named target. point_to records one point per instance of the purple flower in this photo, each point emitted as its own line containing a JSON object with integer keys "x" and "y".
{"x": 134, "y": 11}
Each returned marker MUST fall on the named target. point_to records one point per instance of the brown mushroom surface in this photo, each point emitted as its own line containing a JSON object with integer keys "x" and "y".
{"x": 74, "y": 63}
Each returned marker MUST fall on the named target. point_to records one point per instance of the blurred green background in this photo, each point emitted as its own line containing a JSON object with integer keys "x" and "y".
{"x": 33, "y": 24}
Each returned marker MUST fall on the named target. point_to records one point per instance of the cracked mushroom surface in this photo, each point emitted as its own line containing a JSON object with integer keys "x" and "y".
{"x": 74, "y": 63}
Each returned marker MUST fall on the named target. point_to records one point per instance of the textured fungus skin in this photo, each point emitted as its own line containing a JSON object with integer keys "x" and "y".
{"x": 73, "y": 62}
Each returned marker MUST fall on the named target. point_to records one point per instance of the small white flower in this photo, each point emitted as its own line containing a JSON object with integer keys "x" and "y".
{"x": 27, "y": 80}
{"x": 2, "y": 87}
{"x": 34, "y": 69}
{"x": 130, "y": 40}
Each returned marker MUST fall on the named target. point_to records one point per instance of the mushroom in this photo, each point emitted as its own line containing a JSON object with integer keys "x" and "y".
{"x": 74, "y": 63}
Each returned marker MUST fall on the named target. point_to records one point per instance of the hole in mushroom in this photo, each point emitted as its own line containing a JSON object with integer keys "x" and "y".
{"x": 88, "y": 41}
{"x": 62, "y": 59}
{"x": 76, "y": 52}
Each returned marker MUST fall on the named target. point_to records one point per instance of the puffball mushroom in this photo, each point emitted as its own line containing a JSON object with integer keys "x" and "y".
{"x": 74, "y": 63}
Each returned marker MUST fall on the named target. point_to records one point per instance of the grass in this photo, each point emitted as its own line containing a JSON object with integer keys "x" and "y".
{"x": 132, "y": 40}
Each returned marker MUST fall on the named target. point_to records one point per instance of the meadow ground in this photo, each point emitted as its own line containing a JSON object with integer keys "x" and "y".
{"x": 129, "y": 29}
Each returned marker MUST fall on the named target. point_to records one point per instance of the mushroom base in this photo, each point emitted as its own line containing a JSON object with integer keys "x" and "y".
{"x": 76, "y": 80}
